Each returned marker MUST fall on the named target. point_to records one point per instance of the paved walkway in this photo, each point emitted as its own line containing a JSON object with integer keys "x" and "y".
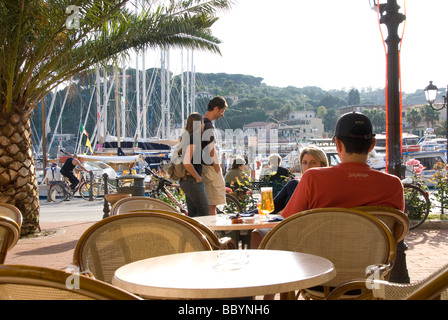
{"x": 427, "y": 246}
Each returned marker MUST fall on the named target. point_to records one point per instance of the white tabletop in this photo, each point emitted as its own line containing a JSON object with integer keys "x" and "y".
{"x": 222, "y": 223}
{"x": 198, "y": 275}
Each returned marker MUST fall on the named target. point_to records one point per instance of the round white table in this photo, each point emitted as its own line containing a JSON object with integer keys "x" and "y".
{"x": 217, "y": 223}
{"x": 200, "y": 275}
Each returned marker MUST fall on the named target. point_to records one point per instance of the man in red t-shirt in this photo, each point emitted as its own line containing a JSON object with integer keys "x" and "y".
{"x": 352, "y": 183}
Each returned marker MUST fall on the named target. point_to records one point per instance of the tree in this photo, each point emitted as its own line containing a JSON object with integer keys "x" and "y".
{"x": 43, "y": 46}
{"x": 378, "y": 118}
{"x": 429, "y": 115}
{"x": 441, "y": 129}
{"x": 414, "y": 118}
{"x": 353, "y": 97}
{"x": 321, "y": 112}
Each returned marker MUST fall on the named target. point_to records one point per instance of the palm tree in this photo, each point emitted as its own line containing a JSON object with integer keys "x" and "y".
{"x": 378, "y": 118}
{"x": 429, "y": 115}
{"x": 46, "y": 42}
{"x": 441, "y": 128}
{"x": 414, "y": 118}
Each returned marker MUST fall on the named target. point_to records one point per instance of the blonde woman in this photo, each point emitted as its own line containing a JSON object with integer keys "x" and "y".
{"x": 310, "y": 157}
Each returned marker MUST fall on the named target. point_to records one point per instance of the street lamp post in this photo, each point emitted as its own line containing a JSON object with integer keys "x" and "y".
{"x": 431, "y": 96}
{"x": 392, "y": 18}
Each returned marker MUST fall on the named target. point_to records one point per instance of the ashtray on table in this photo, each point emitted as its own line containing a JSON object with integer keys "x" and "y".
{"x": 231, "y": 260}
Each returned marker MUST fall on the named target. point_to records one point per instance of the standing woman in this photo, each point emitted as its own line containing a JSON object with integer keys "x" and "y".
{"x": 191, "y": 184}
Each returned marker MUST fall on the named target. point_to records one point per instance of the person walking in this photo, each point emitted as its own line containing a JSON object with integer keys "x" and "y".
{"x": 52, "y": 173}
{"x": 211, "y": 170}
{"x": 192, "y": 184}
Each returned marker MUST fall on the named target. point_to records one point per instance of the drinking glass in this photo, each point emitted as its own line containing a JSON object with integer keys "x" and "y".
{"x": 267, "y": 202}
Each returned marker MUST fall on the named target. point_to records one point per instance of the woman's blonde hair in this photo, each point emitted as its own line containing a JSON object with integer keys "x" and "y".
{"x": 317, "y": 153}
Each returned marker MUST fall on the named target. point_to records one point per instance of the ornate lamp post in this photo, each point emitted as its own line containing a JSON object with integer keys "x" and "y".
{"x": 392, "y": 18}
{"x": 431, "y": 95}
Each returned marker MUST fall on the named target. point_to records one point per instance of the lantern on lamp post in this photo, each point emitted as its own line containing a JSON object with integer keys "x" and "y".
{"x": 431, "y": 96}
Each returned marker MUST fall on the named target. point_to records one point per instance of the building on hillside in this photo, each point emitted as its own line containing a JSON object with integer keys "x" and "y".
{"x": 258, "y": 128}
{"x": 301, "y": 125}
{"x": 359, "y": 108}
{"x": 407, "y": 127}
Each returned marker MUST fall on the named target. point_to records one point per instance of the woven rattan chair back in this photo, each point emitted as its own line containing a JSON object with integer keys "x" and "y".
{"x": 9, "y": 235}
{"x": 8, "y": 210}
{"x": 395, "y": 220}
{"x": 119, "y": 240}
{"x": 351, "y": 239}
{"x": 21, "y": 282}
{"x": 140, "y": 203}
{"x": 434, "y": 286}
{"x": 215, "y": 242}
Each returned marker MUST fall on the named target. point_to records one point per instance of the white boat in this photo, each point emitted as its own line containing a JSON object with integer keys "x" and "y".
{"x": 428, "y": 159}
{"x": 376, "y": 159}
{"x": 410, "y": 142}
{"x": 430, "y": 142}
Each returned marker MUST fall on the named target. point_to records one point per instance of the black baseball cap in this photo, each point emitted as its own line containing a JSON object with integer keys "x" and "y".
{"x": 354, "y": 125}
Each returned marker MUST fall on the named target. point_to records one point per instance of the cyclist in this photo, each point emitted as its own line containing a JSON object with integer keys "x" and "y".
{"x": 67, "y": 171}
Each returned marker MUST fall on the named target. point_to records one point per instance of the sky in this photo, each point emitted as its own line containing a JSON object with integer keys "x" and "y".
{"x": 328, "y": 43}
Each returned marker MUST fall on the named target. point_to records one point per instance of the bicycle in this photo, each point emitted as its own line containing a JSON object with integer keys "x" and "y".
{"x": 163, "y": 186}
{"x": 60, "y": 190}
{"x": 417, "y": 202}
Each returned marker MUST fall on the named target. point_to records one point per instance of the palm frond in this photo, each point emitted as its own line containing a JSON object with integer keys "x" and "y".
{"x": 40, "y": 51}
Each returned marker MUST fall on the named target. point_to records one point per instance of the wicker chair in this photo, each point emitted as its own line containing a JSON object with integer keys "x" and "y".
{"x": 140, "y": 203}
{"x": 9, "y": 235}
{"x": 435, "y": 286}
{"x": 351, "y": 239}
{"x": 20, "y": 282}
{"x": 119, "y": 240}
{"x": 215, "y": 242}
{"x": 8, "y": 210}
{"x": 395, "y": 220}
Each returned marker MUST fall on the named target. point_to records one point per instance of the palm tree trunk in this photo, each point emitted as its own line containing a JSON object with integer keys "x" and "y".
{"x": 18, "y": 182}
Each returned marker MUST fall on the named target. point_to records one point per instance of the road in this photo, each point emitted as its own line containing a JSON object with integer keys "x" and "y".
{"x": 76, "y": 209}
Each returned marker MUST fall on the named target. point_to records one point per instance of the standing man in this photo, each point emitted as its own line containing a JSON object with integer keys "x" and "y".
{"x": 52, "y": 173}
{"x": 67, "y": 170}
{"x": 212, "y": 177}
{"x": 352, "y": 183}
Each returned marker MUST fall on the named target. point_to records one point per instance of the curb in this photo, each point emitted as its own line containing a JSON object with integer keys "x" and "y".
{"x": 434, "y": 224}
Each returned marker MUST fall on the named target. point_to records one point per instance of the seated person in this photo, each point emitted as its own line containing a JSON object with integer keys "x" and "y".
{"x": 310, "y": 157}
{"x": 236, "y": 175}
{"x": 352, "y": 183}
{"x": 276, "y": 173}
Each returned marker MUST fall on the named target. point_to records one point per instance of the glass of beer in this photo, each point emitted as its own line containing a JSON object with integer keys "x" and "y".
{"x": 267, "y": 202}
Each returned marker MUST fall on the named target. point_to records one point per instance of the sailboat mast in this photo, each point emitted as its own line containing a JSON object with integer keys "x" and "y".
{"x": 143, "y": 117}
{"x": 193, "y": 84}
{"x": 105, "y": 103}
{"x": 117, "y": 106}
{"x": 100, "y": 135}
{"x": 163, "y": 92}
{"x": 168, "y": 100}
{"x": 137, "y": 85}
{"x": 182, "y": 89}
{"x": 123, "y": 100}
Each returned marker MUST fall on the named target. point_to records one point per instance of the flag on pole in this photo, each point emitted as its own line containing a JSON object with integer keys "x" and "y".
{"x": 83, "y": 131}
{"x": 89, "y": 145}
